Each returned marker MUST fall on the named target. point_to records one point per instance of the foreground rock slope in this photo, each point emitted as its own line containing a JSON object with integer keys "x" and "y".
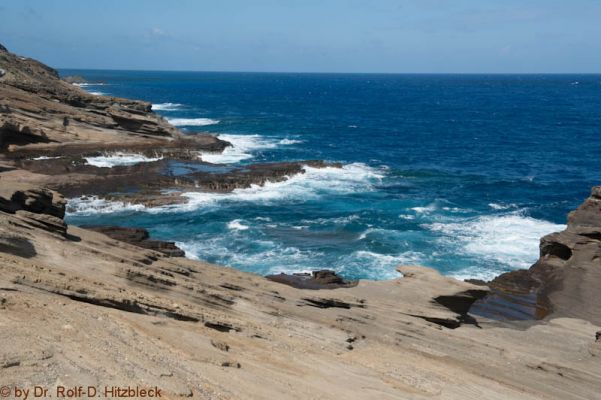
{"x": 80, "y": 308}
{"x": 104, "y": 307}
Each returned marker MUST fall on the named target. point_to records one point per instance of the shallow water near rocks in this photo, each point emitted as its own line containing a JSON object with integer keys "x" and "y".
{"x": 463, "y": 173}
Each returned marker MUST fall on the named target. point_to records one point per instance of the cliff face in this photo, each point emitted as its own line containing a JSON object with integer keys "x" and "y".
{"x": 565, "y": 281}
{"x": 37, "y": 107}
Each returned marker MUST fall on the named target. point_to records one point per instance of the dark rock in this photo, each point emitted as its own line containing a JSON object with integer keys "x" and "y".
{"x": 35, "y": 200}
{"x": 221, "y": 326}
{"x": 319, "y": 302}
{"x": 598, "y": 336}
{"x": 231, "y": 364}
{"x": 139, "y": 237}
{"x": 17, "y": 246}
{"x": 327, "y": 277}
{"x": 220, "y": 345}
{"x": 460, "y": 303}
{"x": 123, "y": 234}
{"x": 478, "y": 282}
{"x": 321, "y": 279}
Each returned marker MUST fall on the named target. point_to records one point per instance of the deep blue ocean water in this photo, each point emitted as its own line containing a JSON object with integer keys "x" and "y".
{"x": 463, "y": 173}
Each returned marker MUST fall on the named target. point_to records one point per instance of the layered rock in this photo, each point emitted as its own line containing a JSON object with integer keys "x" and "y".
{"x": 565, "y": 281}
{"x": 316, "y": 280}
{"x": 139, "y": 237}
{"x": 71, "y": 303}
{"x": 38, "y": 108}
{"x": 42, "y": 208}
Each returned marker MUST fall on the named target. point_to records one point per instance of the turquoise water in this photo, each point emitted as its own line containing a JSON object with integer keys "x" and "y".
{"x": 462, "y": 173}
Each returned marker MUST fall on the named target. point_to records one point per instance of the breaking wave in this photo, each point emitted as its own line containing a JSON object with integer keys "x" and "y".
{"x": 192, "y": 121}
{"x": 315, "y": 182}
{"x": 117, "y": 159}
{"x": 166, "y": 107}
{"x": 511, "y": 240}
{"x": 90, "y": 205}
{"x": 243, "y": 147}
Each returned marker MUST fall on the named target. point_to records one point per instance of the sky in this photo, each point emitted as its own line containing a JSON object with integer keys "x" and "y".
{"x": 392, "y": 36}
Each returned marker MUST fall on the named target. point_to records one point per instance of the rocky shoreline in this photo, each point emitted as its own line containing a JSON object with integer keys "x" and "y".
{"x": 74, "y": 298}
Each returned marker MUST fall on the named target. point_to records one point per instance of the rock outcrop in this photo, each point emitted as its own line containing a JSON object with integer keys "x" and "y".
{"x": 37, "y": 107}
{"x": 139, "y": 237}
{"x": 316, "y": 280}
{"x": 36, "y": 200}
{"x": 41, "y": 207}
{"x": 565, "y": 281}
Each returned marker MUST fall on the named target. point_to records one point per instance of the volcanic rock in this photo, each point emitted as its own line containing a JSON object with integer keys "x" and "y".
{"x": 566, "y": 279}
{"x": 139, "y": 237}
{"x": 321, "y": 279}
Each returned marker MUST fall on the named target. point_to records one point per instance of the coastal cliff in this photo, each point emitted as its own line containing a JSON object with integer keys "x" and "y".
{"x": 101, "y": 307}
{"x": 566, "y": 280}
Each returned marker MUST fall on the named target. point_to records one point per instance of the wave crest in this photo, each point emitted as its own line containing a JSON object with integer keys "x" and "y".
{"x": 119, "y": 159}
{"x": 511, "y": 240}
{"x": 166, "y": 106}
{"x": 192, "y": 121}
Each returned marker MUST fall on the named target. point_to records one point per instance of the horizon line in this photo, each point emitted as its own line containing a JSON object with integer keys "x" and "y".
{"x": 326, "y": 72}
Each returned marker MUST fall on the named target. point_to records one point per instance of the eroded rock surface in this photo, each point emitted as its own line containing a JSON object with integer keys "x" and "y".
{"x": 139, "y": 237}
{"x": 321, "y": 279}
{"x": 565, "y": 281}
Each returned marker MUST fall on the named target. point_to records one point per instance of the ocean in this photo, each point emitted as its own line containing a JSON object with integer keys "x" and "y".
{"x": 462, "y": 173}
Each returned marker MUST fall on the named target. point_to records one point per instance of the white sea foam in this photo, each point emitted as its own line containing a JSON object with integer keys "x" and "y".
{"x": 425, "y": 210}
{"x": 315, "y": 182}
{"x": 332, "y": 221}
{"x": 476, "y": 272}
{"x": 45, "y": 158}
{"x": 115, "y": 159}
{"x": 290, "y": 141}
{"x": 380, "y": 266}
{"x": 94, "y": 205}
{"x": 166, "y": 106}
{"x": 96, "y": 93}
{"x": 86, "y": 84}
{"x": 511, "y": 240}
{"x": 269, "y": 258}
{"x": 192, "y": 121}
{"x": 237, "y": 225}
{"x": 501, "y": 206}
{"x": 242, "y": 148}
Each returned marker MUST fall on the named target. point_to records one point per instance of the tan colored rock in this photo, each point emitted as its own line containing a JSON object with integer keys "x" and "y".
{"x": 133, "y": 316}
